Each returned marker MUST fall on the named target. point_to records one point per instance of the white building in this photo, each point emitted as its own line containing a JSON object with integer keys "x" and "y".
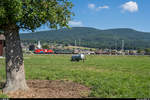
{"x": 39, "y": 45}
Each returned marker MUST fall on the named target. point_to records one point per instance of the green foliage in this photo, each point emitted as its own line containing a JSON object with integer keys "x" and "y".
{"x": 107, "y": 76}
{"x": 3, "y": 96}
{"x": 31, "y": 14}
{"x": 147, "y": 50}
{"x": 45, "y": 46}
{"x": 139, "y": 50}
{"x": 91, "y": 37}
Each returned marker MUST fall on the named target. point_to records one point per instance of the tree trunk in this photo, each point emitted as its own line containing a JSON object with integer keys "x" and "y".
{"x": 15, "y": 75}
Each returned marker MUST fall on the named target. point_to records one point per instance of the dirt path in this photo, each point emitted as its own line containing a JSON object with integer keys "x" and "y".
{"x": 52, "y": 89}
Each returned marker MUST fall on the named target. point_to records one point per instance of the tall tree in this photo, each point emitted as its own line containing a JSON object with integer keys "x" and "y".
{"x": 27, "y": 15}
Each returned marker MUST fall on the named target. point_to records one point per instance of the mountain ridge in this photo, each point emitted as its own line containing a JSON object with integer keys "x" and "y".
{"x": 92, "y": 28}
{"x": 92, "y": 37}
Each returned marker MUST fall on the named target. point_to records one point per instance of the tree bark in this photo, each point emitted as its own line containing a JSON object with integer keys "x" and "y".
{"x": 15, "y": 75}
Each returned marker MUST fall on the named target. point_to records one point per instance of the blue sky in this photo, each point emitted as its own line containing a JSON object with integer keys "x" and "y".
{"x": 108, "y": 14}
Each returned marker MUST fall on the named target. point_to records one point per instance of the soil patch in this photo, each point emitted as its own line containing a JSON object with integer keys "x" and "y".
{"x": 52, "y": 89}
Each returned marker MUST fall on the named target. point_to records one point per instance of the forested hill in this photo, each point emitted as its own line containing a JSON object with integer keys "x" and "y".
{"x": 91, "y": 37}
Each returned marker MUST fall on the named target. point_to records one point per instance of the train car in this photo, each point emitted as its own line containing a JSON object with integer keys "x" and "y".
{"x": 43, "y": 51}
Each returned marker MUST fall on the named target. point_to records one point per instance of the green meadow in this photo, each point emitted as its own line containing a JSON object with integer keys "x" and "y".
{"x": 107, "y": 76}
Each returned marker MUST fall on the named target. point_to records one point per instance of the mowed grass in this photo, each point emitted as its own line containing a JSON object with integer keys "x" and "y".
{"x": 107, "y": 76}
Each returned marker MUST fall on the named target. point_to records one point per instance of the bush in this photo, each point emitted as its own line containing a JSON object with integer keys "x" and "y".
{"x": 147, "y": 51}
{"x": 45, "y": 46}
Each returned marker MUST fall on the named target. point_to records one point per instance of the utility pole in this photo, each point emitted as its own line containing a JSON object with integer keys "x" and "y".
{"x": 122, "y": 45}
{"x": 50, "y": 44}
{"x": 75, "y": 43}
{"x": 116, "y": 45}
{"x": 79, "y": 42}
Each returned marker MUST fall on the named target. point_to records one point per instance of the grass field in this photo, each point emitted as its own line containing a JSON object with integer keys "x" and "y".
{"x": 108, "y": 76}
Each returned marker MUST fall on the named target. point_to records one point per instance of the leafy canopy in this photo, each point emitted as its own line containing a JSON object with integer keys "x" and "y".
{"x": 31, "y": 14}
{"x": 45, "y": 46}
{"x": 147, "y": 50}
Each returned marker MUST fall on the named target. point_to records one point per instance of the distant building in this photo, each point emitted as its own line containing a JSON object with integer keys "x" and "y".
{"x": 133, "y": 52}
{"x": 106, "y": 51}
{"x": 114, "y": 52}
{"x": 39, "y": 45}
{"x": 126, "y": 52}
{"x": 76, "y": 51}
{"x": 100, "y": 51}
{"x": 121, "y": 52}
{"x": 2, "y": 45}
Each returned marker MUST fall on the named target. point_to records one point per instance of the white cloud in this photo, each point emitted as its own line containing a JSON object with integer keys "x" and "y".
{"x": 91, "y": 6}
{"x": 75, "y": 23}
{"x": 130, "y": 6}
{"x": 102, "y": 7}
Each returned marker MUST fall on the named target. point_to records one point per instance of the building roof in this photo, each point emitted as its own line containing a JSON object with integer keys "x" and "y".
{"x": 2, "y": 37}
